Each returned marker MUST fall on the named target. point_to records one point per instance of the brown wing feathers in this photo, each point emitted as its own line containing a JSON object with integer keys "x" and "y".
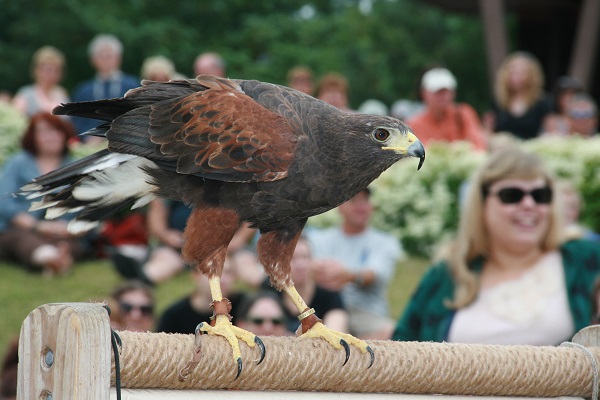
{"x": 223, "y": 134}
{"x": 206, "y": 127}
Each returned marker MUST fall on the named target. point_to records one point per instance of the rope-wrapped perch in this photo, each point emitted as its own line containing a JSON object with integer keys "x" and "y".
{"x": 65, "y": 352}
{"x": 154, "y": 360}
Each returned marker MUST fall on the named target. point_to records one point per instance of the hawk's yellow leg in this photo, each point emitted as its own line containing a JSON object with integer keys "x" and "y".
{"x": 312, "y": 327}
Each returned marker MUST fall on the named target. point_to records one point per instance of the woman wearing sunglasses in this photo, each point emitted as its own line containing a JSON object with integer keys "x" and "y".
{"x": 509, "y": 277}
{"x": 263, "y": 314}
{"x": 132, "y": 307}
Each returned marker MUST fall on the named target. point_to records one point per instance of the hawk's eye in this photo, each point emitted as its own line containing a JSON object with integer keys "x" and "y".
{"x": 381, "y": 135}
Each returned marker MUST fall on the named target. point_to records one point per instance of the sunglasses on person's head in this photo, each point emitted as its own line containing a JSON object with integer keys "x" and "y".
{"x": 146, "y": 310}
{"x": 513, "y": 195}
{"x": 260, "y": 321}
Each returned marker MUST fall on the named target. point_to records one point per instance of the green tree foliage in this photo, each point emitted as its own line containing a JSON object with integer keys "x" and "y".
{"x": 380, "y": 45}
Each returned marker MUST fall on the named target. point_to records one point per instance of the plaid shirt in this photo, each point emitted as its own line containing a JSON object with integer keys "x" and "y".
{"x": 426, "y": 318}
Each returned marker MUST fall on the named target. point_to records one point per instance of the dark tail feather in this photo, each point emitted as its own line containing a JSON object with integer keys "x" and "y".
{"x": 102, "y": 213}
{"x": 106, "y": 110}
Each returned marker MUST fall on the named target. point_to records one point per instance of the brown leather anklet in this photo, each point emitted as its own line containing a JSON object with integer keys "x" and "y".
{"x": 222, "y": 307}
{"x": 308, "y": 319}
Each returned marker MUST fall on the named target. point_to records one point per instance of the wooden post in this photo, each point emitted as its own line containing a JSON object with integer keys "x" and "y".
{"x": 64, "y": 353}
{"x": 494, "y": 29}
{"x": 588, "y": 336}
{"x": 586, "y": 43}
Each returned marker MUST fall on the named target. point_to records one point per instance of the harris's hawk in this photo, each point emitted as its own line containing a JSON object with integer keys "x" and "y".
{"x": 235, "y": 151}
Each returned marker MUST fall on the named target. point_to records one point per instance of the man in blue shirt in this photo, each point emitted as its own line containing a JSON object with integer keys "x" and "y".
{"x": 105, "y": 52}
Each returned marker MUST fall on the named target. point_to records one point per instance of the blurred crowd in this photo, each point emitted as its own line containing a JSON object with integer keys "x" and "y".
{"x": 521, "y": 269}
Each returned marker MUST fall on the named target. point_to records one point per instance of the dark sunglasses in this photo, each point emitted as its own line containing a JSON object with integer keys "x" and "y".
{"x": 512, "y": 195}
{"x": 146, "y": 310}
{"x": 260, "y": 321}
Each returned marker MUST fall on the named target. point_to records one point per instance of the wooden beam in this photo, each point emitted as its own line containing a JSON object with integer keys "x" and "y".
{"x": 161, "y": 394}
{"x": 492, "y": 15}
{"x": 586, "y": 42}
{"x": 65, "y": 353}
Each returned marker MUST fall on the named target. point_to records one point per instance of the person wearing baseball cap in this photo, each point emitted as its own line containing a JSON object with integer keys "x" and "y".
{"x": 442, "y": 119}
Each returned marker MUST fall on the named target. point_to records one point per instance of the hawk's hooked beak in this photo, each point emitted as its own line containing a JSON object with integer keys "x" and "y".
{"x": 410, "y": 145}
{"x": 417, "y": 150}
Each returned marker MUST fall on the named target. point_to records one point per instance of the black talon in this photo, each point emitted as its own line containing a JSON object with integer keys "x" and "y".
{"x": 239, "y": 364}
{"x": 260, "y": 344}
{"x": 372, "y": 353}
{"x": 347, "y": 348}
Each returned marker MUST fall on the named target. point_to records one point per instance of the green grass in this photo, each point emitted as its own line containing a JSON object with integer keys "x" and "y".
{"x": 408, "y": 275}
{"x": 21, "y": 291}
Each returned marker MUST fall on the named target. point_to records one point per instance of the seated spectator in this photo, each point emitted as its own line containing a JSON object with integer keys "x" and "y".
{"x": 166, "y": 221}
{"x": 582, "y": 115}
{"x": 25, "y": 236}
{"x": 404, "y": 109}
{"x": 132, "y": 305}
{"x": 45, "y": 93}
{"x": 159, "y": 69}
{"x": 327, "y": 304}
{"x": 571, "y": 205}
{"x": 556, "y": 123}
{"x": 519, "y": 105}
{"x": 497, "y": 142}
{"x": 9, "y": 371}
{"x": 333, "y": 89}
{"x": 359, "y": 261}
{"x": 125, "y": 230}
{"x": 443, "y": 119}
{"x": 209, "y": 63}
{"x": 301, "y": 78}
{"x": 262, "y": 314}
{"x": 105, "y": 52}
{"x": 185, "y": 314}
{"x": 373, "y": 107}
{"x": 124, "y": 239}
{"x": 508, "y": 277}
{"x": 244, "y": 238}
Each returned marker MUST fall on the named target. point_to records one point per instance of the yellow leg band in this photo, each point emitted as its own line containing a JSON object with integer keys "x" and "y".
{"x": 306, "y": 313}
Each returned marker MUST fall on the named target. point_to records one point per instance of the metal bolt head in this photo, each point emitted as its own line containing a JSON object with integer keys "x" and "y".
{"x": 47, "y": 358}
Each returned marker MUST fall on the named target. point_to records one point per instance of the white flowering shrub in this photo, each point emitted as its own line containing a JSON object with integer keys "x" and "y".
{"x": 421, "y": 208}
{"x": 577, "y": 160}
{"x": 12, "y": 126}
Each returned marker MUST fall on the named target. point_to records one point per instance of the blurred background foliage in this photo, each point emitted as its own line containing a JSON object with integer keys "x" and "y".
{"x": 380, "y": 45}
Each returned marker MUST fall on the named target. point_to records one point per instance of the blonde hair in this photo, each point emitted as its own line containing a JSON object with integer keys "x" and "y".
{"x": 472, "y": 240}
{"x": 533, "y": 91}
{"x": 158, "y": 65}
{"x": 47, "y": 55}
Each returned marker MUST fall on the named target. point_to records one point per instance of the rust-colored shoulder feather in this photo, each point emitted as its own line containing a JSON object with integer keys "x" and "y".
{"x": 221, "y": 133}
